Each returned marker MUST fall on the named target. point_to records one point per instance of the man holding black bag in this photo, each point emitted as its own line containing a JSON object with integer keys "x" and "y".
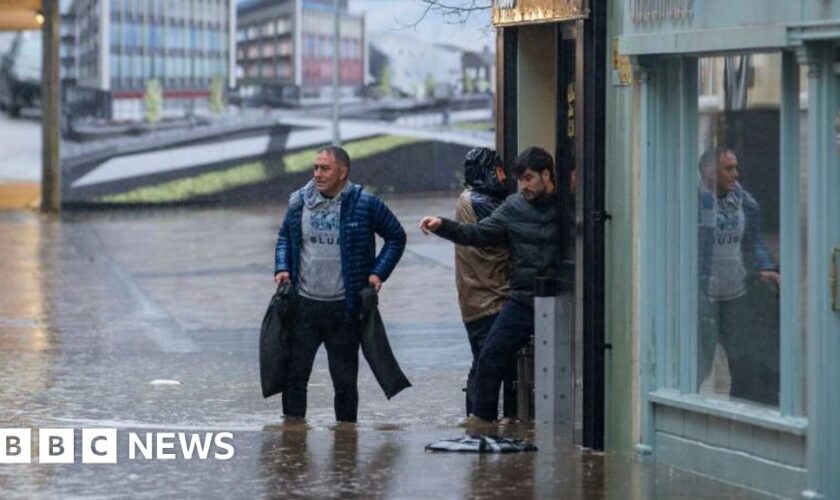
{"x": 326, "y": 251}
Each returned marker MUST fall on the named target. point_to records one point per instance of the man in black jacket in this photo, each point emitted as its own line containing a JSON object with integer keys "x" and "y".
{"x": 528, "y": 223}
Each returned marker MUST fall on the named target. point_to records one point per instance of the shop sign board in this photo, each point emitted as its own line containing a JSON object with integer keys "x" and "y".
{"x": 514, "y": 12}
{"x": 644, "y": 12}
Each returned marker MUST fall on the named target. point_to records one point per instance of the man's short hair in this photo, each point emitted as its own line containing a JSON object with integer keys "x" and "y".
{"x": 537, "y": 159}
{"x": 711, "y": 157}
{"x": 340, "y": 155}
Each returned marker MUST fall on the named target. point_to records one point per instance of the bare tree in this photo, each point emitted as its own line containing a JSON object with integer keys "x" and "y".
{"x": 452, "y": 11}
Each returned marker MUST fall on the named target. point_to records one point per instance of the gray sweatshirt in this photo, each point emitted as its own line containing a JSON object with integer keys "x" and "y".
{"x": 320, "y": 256}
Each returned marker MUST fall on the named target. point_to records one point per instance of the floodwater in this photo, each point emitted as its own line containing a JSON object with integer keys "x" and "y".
{"x": 97, "y": 308}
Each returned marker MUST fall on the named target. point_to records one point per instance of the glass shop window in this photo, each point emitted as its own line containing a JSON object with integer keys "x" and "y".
{"x": 738, "y": 227}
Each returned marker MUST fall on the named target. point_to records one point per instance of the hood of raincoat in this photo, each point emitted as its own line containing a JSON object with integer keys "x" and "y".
{"x": 312, "y": 197}
{"x": 480, "y": 172}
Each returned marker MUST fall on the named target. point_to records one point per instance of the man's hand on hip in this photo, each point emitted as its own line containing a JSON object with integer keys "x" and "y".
{"x": 430, "y": 224}
{"x": 375, "y": 282}
{"x": 281, "y": 277}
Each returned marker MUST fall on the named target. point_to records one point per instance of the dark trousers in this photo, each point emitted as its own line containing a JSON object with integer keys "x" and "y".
{"x": 748, "y": 329}
{"x": 477, "y": 331}
{"x": 509, "y": 333}
{"x": 317, "y": 322}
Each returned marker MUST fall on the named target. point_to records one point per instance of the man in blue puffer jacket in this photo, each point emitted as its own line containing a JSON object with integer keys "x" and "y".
{"x": 326, "y": 248}
{"x": 732, "y": 262}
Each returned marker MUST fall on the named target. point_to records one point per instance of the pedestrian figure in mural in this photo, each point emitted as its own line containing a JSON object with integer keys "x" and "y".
{"x": 738, "y": 282}
{"x": 481, "y": 274}
{"x": 528, "y": 223}
{"x": 326, "y": 249}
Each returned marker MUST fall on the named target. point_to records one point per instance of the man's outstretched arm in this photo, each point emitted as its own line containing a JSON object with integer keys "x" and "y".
{"x": 490, "y": 231}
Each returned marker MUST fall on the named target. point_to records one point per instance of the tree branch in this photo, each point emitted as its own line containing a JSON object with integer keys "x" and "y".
{"x": 452, "y": 11}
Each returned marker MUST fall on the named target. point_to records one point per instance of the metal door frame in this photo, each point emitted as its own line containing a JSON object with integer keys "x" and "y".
{"x": 592, "y": 81}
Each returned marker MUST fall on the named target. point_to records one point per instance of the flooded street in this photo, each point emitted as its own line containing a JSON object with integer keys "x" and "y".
{"x": 95, "y": 307}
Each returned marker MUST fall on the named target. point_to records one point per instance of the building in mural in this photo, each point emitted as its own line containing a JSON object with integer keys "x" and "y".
{"x": 121, "y": 45}
{"x": 285, "y": 51}
{"x": 702, "y": 159}
{"x": 420, "y": 69}
{"x": 68, "y": 45}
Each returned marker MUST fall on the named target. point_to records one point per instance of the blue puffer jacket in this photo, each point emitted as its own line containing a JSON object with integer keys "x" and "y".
{"x": 757, "y": 256}
{"x": 362, "y": 216}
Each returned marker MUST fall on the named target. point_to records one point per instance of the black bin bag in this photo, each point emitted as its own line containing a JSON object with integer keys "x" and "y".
{"x": 275, "y": 335}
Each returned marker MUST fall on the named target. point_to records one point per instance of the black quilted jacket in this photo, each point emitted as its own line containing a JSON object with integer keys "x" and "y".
{"x": 530, "y": 229}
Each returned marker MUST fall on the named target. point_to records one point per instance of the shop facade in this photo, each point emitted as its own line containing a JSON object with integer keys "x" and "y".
{"x": 699, "y": 144}
{"x": 737, "y": 352}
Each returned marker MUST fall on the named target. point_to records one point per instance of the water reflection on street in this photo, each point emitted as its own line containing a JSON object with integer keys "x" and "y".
{"x": 351, "y": 464}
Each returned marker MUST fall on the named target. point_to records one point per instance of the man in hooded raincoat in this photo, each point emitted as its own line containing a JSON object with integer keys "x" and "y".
{"x": 481, "y": 274}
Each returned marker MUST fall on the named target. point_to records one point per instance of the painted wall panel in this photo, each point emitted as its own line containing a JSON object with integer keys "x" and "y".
{"x": 766, "y": 443}
{"x": 741, "y": 437}
{"x": 792, "y": 449}
{"x": 695, "y": 426}
{"x": 670, "y": 420}
{"x": 731, "y": 466}
{"x": 718, "y": 432}
{"x": 729, "y": 450}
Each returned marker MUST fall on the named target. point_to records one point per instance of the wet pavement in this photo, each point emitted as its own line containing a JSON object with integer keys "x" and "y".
{"x": 96, "y": 306}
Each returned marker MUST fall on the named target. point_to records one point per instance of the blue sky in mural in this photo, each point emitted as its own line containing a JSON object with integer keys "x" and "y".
{"x": 400, "y": 16}
{"x": 395, "y": 15}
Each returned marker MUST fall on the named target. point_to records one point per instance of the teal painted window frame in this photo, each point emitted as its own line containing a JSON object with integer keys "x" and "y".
{"x": 823, "y": 346}
{"x": 668, "y": 116}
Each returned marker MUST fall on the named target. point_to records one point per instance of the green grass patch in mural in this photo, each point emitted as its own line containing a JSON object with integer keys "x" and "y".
{"x": 480, "y": 126}
{"x": 211, "y": 183}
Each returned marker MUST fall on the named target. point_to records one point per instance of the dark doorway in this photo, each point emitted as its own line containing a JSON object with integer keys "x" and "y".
{"x": 592, "y": 67}
{"x": 579, "y": 153}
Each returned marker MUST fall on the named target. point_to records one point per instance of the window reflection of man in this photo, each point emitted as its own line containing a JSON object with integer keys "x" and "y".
{"x": 733, "y": 257}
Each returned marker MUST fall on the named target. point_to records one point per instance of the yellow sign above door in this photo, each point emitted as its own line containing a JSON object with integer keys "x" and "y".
{"x": 513, "y": 12}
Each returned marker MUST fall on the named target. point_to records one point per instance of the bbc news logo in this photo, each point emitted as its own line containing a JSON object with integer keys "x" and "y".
{"x": 100, "y": 446}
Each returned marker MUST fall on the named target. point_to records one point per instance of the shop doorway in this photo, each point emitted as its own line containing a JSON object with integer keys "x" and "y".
{"x": 564, "y": 64}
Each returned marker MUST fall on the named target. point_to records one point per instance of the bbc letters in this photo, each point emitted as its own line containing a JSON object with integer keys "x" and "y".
{"x": 101, "y": 446}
